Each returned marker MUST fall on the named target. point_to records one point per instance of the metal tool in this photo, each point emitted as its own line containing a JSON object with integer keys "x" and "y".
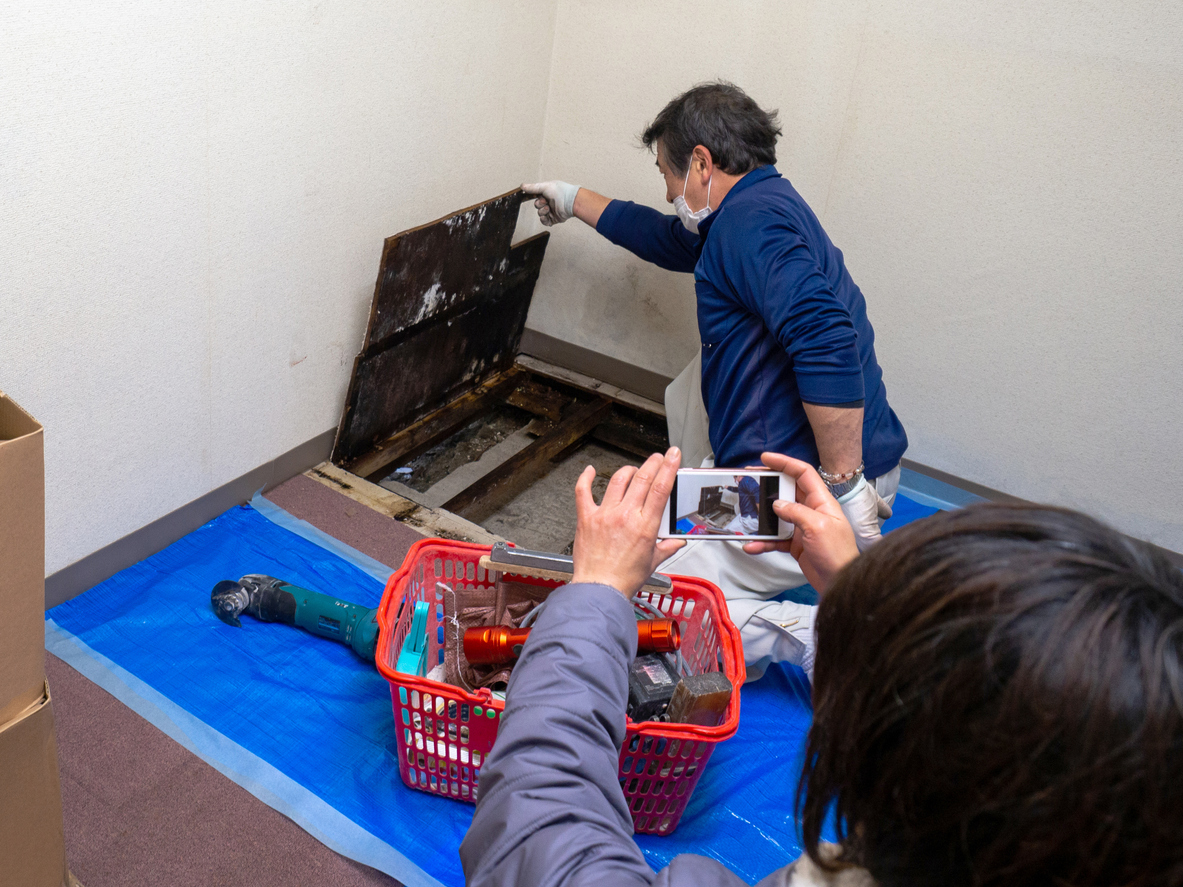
{"x": 495, "y": 644}
{"x": 272, "y": 600}
{"x": 544, "y": 565}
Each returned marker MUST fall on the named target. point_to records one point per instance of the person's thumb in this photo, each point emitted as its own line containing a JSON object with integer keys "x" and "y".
{"x": 664, "y": 548}
{"x": 534, "y": 189}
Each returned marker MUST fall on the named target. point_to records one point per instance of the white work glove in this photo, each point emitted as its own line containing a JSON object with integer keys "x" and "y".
{"x": 556, "y": 201}
{"x": 864, "y": 507}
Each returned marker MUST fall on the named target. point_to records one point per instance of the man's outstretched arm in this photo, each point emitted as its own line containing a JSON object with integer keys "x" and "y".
{"x": 645, "y": 232}
{"x": 558, "y": 201}
{"x": 589, "y": 206}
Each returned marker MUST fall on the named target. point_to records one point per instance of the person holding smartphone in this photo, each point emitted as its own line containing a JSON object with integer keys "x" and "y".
{"x": 997, "y": 700}
{"x": 787, "y": 362}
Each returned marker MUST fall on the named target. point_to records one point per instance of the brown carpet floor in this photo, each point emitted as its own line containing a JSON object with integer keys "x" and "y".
{"x": 371, "y": 533}
{"x": 141, "y": 810}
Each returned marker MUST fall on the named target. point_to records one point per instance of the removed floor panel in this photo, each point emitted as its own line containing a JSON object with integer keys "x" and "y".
{"x": 449, "y": 309}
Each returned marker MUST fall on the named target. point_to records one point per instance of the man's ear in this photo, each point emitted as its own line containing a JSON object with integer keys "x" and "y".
{"x": 702, "y": 155}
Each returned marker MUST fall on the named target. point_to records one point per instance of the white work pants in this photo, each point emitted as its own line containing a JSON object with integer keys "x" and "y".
{"x": 772, "y": 631}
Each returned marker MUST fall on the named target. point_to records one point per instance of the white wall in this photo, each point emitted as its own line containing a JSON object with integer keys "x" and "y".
{"x": 195, "y": 197}
{"x": 1005, "y": 180}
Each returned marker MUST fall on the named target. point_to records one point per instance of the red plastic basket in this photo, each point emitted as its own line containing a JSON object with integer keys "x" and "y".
{"x": 445, "y": 733}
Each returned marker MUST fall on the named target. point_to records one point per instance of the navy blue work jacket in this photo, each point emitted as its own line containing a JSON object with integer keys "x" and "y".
{"x": 780, "y": 320}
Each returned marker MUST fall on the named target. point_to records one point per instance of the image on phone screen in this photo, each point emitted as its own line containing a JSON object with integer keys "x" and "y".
{"x": 725, "y": 504}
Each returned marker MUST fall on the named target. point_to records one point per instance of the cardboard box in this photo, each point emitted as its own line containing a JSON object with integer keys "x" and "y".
{"x": 32, "y": 848}
{"x": 22, "y": 560}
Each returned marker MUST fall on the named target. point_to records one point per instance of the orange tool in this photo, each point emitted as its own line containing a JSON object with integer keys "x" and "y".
{"x": 495, "y": 644}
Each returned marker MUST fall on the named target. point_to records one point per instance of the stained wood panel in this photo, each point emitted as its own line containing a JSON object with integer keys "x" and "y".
{"x": 449, "y": 308}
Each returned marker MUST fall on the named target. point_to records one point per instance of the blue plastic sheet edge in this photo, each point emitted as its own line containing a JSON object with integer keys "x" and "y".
{"x": 265, "y": 782}
{"x": 279, "y": 517}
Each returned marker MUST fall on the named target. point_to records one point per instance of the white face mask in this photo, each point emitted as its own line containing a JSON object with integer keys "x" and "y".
{"x": 691, "y": 219}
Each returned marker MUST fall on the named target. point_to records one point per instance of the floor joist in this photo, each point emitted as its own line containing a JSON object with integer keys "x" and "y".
{"x": 508, "y": 479}
{"x": 436, "y": 426}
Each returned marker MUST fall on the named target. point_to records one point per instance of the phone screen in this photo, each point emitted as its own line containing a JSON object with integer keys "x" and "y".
{"x": 711, "y": 503}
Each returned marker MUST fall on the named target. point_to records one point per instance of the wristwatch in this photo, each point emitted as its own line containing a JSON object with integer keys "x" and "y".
{"x": 841, "y": 484}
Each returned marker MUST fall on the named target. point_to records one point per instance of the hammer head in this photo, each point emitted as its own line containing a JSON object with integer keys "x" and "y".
{"x": 231, "y": 599}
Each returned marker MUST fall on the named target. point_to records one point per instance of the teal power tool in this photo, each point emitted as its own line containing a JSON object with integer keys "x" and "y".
{"x": 272, "y": 600}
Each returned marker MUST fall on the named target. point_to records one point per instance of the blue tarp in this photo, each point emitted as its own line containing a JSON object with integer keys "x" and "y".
{"x": 307, "y": 726}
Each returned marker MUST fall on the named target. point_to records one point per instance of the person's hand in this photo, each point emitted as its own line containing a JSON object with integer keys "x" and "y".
{"x": 863, "y": 506}
{"x": 616, "y": 541}
{"x": 822, "y": 542}
{"x": 555, "y": 201}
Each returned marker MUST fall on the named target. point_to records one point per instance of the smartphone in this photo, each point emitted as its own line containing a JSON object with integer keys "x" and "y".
{"x": 712, "y": 503}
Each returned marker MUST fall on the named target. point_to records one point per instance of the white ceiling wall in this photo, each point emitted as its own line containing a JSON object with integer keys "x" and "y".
{"x": 1005, "y": 182}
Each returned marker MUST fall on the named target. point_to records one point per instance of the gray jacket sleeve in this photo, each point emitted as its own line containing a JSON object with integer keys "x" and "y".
{"x": 551, "y": 810}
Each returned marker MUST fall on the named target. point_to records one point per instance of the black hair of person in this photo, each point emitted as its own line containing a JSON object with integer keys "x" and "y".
{"x": 723, "y": 119}
{"x": 998, "y": 697}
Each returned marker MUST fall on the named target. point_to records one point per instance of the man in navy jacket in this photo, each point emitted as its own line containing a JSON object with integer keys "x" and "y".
{"x": 787, "y": 350}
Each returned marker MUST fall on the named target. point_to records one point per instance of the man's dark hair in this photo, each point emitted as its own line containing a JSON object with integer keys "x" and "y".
{"x": 998, "y": 700}
{"x": 724, "y": 120}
